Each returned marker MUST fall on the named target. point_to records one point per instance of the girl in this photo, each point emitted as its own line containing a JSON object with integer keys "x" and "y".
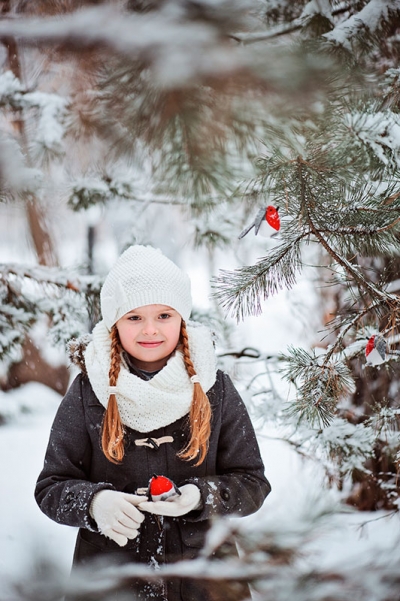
{"x": 150, "y": 401}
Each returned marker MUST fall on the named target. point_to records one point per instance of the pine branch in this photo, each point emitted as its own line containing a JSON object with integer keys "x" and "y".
{"x": 356, "y": 274}
{"x": 55, "y": 276}
{"x": 338, "y": 344}
{"x": 282, "y": 30}
{"x": 272, "y": 559}
{"x": 67, "y": 299}
{"x": 240, "y": 291}
{"x": 360, "y": 230}
{"x": 320, "y": 385}
{"x": 88, "y": 192}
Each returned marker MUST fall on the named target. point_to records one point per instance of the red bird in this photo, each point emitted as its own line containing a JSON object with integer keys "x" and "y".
{"x": 375, "y": 351}
{"x": 162, "y": 488}
{"x": 267, "y": 222}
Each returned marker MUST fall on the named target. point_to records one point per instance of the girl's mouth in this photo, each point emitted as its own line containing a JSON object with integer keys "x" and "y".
{"x": 154, "y": 344}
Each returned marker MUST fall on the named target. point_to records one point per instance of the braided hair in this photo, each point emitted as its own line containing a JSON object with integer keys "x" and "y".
{"x": 200, "y": 411}
{"x": 112, "y": 439}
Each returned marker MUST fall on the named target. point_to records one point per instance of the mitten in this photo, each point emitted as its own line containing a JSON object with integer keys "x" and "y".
{"x": 116, "y": 515}
{"x": 175, "y": 506}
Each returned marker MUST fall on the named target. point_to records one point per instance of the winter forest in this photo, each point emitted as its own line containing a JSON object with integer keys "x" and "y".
{"x": 176, "y": 123}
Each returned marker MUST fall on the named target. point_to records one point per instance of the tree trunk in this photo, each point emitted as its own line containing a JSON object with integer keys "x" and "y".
{"x": 41, "y": 238}
{"x": 33, "y": 367}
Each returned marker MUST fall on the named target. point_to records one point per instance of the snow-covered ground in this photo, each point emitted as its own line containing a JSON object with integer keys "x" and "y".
{"x": 25, "y": 532}
{"x": 27, "y": 535}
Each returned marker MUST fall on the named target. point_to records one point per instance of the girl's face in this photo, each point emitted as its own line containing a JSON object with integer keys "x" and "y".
{"x": 150, "y": 335}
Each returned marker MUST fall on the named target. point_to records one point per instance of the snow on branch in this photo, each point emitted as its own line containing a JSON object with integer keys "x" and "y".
{"x": 317, "y": 7}
{"x": 59, "y": 278}
{"x": 52, "y": 108}
{"x": 29, "y": 293}
{"x": 370, "y": 18}
{"x": 278, "y": 557}
{"x": 16, "y": 177}
{"x": 51, "y": 124}
{"x": 90, "y": 191}
{"x": 178, "y": 49}
{"x": 352, "y": 443}
{"x": 241, "y": 291}
{"x": 320, "y": 384}
{"x": 380, "y": 131}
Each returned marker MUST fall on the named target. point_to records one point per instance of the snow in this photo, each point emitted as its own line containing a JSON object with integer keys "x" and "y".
{"x": 18, "y": 177}
{"x": 26, "y": 534}
{"x": 380, "y": 131}
{"x": 180, "y": 50}
{"x": 351, "y": 539}
{"x": 317, "y": 7}
{"x": 371, "y": 17}
{"x": 53, "y": 109}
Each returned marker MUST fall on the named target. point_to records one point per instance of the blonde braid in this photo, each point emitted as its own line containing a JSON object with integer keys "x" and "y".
{"x": 200, "y": 411}
{"x": 112, "y": 439}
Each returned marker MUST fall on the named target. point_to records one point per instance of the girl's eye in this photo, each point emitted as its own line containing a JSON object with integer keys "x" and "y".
{"x": 164, "y": 316}
{"x": 133, "y": 317}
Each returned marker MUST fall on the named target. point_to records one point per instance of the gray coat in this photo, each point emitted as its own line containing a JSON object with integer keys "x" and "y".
{"x": 231, "y": 481}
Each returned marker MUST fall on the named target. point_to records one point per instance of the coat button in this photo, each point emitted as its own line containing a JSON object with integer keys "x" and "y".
{"x": 225, "y": 495}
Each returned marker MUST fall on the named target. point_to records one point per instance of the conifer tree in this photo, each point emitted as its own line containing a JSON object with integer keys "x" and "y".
{"x": 335, "y": 175}
{"x": 235, "y": 106}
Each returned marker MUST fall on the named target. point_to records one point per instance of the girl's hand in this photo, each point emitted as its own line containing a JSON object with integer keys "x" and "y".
{"x": 188, "y": 500}
{"x": 116, "y": 515}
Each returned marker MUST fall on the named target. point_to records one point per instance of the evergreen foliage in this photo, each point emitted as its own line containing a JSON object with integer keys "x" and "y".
{"x": 69, "y": 300}
{"x": 301, "y": 114}
{"x": 228, "y": 107}
{"x": 272, "y": 561}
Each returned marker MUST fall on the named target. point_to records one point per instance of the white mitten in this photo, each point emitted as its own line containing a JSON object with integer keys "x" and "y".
{"x": 188, "y": 500}
{"x": 116, "y": 515}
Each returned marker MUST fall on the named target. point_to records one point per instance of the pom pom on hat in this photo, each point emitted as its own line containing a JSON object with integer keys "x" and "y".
{"x": 144, "y": 276}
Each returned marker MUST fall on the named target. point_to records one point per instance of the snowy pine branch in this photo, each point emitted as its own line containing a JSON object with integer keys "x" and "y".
{"x": 52, "y": 110}
{"x": 279, "y": 557}
{"x": 372, "y": 18}
{"x": 16, "y": 179}
{"x": 27, "y": 294}
{"x": 319, "y": 385}
{"x": 240, "y": 292}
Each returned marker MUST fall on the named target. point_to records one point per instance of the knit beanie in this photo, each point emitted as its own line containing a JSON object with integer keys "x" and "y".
{"x": 144, "y": 276}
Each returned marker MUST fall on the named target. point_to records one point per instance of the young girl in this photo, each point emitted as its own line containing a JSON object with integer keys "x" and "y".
{"x": 150, "y": 401}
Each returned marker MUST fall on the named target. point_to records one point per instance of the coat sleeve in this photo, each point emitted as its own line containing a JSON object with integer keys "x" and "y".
{"x": 63, "y": 490}
{"x": 240, "y": 486}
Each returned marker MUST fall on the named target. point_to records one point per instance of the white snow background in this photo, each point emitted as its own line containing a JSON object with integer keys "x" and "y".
{"x": 26, "y": 534}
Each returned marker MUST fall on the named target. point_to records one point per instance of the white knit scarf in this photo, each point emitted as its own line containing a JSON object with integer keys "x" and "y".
{"x": 147, "y": 405}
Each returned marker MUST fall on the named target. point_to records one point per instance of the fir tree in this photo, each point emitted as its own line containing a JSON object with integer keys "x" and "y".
{"x": 231, "y": 107}
{"x": 299, "y": 101}
{"x": 334, "y": 174}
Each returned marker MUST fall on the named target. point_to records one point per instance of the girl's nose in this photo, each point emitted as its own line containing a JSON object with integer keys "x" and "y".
{"x": 149, "y": 328}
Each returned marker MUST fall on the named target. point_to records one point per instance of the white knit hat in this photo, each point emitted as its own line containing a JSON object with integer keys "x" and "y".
{"x": 144, "y": 276}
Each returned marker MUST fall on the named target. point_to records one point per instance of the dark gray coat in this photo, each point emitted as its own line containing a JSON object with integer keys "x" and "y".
{"x": 231, "y": 481}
